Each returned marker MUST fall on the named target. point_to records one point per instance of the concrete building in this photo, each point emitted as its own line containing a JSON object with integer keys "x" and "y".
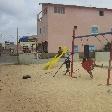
{"x": 29, "y": 43}
{"x": 56, "y": 21}
{"x": 9, "y": 45}
{"x": 9, "y": 48}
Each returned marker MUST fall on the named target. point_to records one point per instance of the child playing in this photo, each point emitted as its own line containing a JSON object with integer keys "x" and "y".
{"x": 59, "y": 52}
{"x": 87, "y": 64}
{"x": 67, "y": 62}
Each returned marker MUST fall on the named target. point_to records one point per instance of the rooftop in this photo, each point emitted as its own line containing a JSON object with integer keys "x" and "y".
{"x": 76, "y": 6}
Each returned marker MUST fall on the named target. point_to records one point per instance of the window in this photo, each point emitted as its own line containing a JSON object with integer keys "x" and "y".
{"x": 94, "y": 30}
{"x": 76, "y": 49}
{"x": 60, "y": 10}
{"x": 40, "y": 31}
{"x": 92, "y": 48}
{"x": 101, "y": 13}
{"x": 44, "y": 30}
{"x": 45, "y": 11}
{"x": 55, "y": 9}
{"x": 111, "y": 29}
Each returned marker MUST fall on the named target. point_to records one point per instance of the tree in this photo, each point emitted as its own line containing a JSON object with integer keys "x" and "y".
{"x": 107, "y": 47}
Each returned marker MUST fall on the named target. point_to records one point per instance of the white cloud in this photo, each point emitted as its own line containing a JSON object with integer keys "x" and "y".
{"x": 15, "y": 13}
{"x": 12, "y": 7}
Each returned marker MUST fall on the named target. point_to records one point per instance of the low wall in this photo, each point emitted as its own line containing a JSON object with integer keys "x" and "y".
{"x": 46, "y": 55}
{"x": 102, "y": 56}
{"x": 28, "y": 58}
{"x": 32, "y": 58}
{"x": 76, "y": 57}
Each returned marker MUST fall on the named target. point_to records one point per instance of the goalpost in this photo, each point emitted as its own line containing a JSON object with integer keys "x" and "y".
{"x": 93, "y": 35}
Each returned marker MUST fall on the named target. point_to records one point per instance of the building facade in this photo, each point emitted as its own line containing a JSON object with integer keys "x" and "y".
{"x": 28, "y": 43}
{"x": 56, "y": 21}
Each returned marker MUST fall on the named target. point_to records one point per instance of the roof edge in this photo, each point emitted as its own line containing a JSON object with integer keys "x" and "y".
{"x": 76, "y": 6}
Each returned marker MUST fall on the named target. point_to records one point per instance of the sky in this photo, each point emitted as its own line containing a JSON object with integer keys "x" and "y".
{"x": 22, "y": 14}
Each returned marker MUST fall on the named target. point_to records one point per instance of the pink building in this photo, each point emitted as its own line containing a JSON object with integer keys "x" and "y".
{"x": 56, "y": 23}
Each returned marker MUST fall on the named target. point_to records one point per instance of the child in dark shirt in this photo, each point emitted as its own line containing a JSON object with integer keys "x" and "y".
{"x": 67, "y": 62}
{"x": 59, "y": 52}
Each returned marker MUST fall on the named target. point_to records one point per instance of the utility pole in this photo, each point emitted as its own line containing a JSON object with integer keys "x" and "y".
{"x": 17, "y": 47}
{"x": 37, "y": 29}
{"x": 37, "y": 23}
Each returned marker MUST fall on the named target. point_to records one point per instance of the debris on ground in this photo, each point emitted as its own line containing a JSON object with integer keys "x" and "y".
{"x": 26, "y": 76}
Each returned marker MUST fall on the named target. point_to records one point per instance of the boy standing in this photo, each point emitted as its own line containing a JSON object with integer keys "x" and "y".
{"x": 67, "y": 62}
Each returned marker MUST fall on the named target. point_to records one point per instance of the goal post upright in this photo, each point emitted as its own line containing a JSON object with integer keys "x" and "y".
{"x": 92, "y": 35}
{"x": 109, "y": 68}
{"x": 72, "y": 61}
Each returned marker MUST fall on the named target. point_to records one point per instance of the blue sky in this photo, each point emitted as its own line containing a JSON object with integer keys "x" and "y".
{"x": 22, "y": 13}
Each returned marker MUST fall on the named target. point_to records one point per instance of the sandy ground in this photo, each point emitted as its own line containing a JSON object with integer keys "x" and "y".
{"x": 45, "y": 93}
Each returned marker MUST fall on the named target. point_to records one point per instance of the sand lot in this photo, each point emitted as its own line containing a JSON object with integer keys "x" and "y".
{"x": 45, "y": 93}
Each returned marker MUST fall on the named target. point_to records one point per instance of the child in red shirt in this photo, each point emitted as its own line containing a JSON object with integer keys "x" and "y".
{"x": 87, "y": 64}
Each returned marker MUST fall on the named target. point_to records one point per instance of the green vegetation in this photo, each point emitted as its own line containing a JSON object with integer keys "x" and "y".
{"x": 107, "y": 47}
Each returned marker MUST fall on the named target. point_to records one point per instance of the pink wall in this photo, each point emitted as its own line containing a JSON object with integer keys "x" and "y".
{"x": 43, "y": 24}
{"x": 60, "y": 26}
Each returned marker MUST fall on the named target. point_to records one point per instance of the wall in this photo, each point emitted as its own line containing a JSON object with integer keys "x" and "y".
{"x": 43, "y": 24}
{"x": 29, "y": 44}
{"x": 31, "y": 58}
{"x": 60, "y": 27}
{"x": 102, "y": 56}
{"x": 28, "y": 58}
{"x": 76, "y": 57}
